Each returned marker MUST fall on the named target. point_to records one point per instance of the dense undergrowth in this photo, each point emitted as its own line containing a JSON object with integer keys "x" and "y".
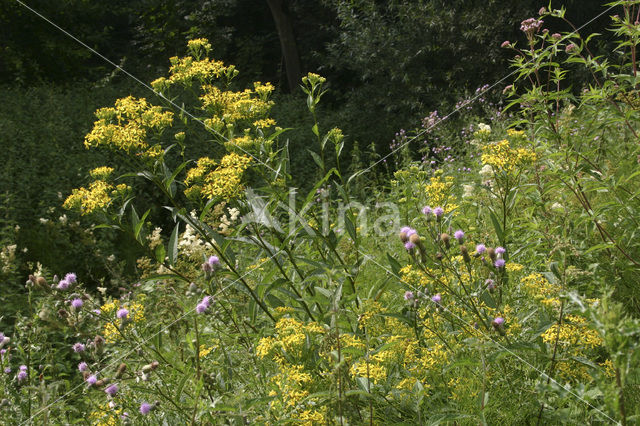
{"x": 495, "y": 281}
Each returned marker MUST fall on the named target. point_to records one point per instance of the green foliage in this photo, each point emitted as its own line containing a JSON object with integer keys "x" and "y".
{"x": 494, "y": 286}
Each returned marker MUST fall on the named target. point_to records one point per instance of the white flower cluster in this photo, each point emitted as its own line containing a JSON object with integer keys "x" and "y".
{"x": 226, "y": 222}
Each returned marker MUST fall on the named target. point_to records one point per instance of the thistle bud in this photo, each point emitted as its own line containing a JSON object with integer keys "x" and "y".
{"x": 492, "y": 253}
{"x": 403, "y": 236}
{"x": 439, "y": 256}
{"x": 465, "y": 254}
{"x": 121, "y": 369}
{"x": 415, "y": 239}
{"x": 446, "y": 240}
{"x": 40, "y": 282}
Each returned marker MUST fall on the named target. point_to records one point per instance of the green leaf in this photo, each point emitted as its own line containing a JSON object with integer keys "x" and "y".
{"x": 160, "y": 253}
{"x": 138, "y": 226}
{"x": 314, "y": 129}
{"x": 395, "y": 265}
{"x": 317, "y": 159}
{"x": 173, "y": 245}
{"x": 496, "y": 226}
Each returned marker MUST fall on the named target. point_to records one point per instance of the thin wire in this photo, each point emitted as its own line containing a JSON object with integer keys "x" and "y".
{"x": 159, "y": 94}
{"x": 542, "y": 373}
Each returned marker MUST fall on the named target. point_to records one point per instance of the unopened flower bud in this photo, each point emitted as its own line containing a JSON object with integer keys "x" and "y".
{"x": 415, "y": 239}
{"x": 465, "y": 254}
{"x": 41, "y": 282}
{"x": 121, "y": 369}
{"x": 445, "y": 239}
{"x": 492, "y": 253}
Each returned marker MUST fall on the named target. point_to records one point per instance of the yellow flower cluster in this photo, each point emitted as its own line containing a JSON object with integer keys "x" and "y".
{"x": 290, "y": 337}
{"x": 537, "y": 286}
{"x": 502, "y": 157}
{"x": 126, "y": 126}
{"x": 101, "y": 172}
{"x": 203, "y": 351}
{"x": 374, "y": 371}
{"x": 222, "y": 182}
{"x": 228, "y": 107}
{"x": 573, "y": 332}
{"x": 439, "y": 192}
{"x": 98, "y": 196}
{"x": 413, "y": 278}
{"x": 105, "y": 416}
{"x": 185, "y": 71}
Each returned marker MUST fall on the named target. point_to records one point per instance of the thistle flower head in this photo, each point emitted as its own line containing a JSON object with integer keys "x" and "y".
{"x": 63, "y": 285}
{"x": 77, "y": 303}
{"x": 438, "y": 211}
{"x": 499, "y": 263}
{"x": 78, "y": 347}
{"x": 459, "y": 235}
{"x": 71, "y": 278}
{"x": 426, "y": 210}
{"x": 436, "y": 298}
{"x": 122, "y": 313}
{"x": 83, "y": 366}
{"x": 111, "y": 390}
{"x": 408, "y": 295}
{"x": 145, "y": 408}
{"x": 498, "y": 322}
{"x": 480, "y": 248}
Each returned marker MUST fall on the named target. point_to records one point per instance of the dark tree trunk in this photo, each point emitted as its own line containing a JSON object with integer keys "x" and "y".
{"x": 284, "y": 25}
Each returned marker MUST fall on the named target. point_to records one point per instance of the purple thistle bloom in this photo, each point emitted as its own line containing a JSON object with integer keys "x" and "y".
{"x": 97, "y": 311}
{"x": 145, "y": 408}
{"x": 405, "y": 229}
{"x": 23, "y": 368}
{"x": 78, "y": 347}
{"x": 122, "y": 313}
{"x": 206, "y": 301}
{"x": 71, "y": 278}
{"x": 83, "y": 366}
{"x": 3, "y": 351}
{"x": 91, "y": 380}
{"x": 426, "y": 210}
{"x": 411, "y": 231}
{"x": 481, "y": 248}
{"x": 7, "y": 370}
{"x": 437, "y": 298}
{"x": 213, "y": 261}
{"x": 459, "y": 235}
{"x": 200, "y": 308}
{"x": 500, "y": 250}
{"x": 408, "y": 295}
{"x": 77, "y": 303}
{"x": 22, "y": 375}
{"x": 409, "y": 245}
{"x": 499, "y": 263}
{"x": 498, "y": 321}
{"x": 490, "y": 284}
{"x": 438, "y": 211}
{"x": 63, "y": 285}
{"x": 111, "y": 390}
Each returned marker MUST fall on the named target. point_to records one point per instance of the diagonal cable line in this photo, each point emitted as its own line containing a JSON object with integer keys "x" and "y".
{"x": 159, "y": 94}
{"x": 542, "y": 373}
{"x": 144, "y": 341}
